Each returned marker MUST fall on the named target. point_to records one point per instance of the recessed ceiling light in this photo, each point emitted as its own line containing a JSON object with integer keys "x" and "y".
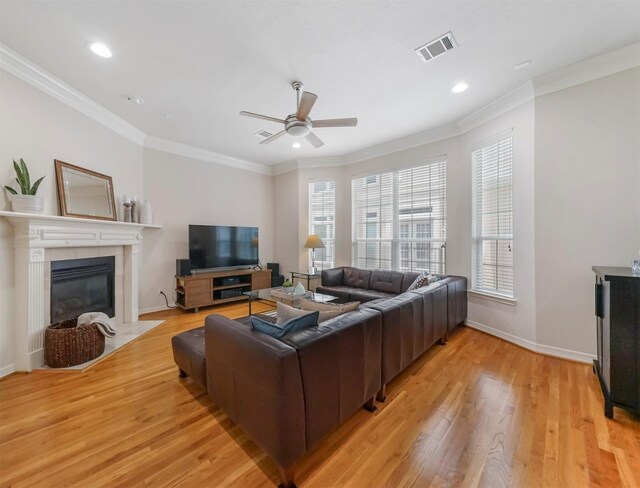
{"x": 100, "y": 49}
{"x": 460, "y": 87}
{"x": 296, "y": 145}
{"x": 523, "y": 65}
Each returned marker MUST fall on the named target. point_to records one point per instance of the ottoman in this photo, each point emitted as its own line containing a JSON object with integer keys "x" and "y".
{"x": 188, "y": 354}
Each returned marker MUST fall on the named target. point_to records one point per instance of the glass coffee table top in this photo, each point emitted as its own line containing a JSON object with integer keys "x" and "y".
{"x": 265, "y": 295}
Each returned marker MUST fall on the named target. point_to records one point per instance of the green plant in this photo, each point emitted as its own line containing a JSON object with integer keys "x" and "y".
{"x": 287, "y": 284}
{"x": 24, "y": 180}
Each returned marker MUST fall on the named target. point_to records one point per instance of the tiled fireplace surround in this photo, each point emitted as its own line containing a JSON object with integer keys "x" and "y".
{"x": 41, "y": 239}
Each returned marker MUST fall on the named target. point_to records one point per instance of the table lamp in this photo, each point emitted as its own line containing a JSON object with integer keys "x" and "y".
{"x": 313, "y": 242}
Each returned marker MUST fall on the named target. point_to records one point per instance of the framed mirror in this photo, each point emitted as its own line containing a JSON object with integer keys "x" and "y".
{"x": 84, "y": 193}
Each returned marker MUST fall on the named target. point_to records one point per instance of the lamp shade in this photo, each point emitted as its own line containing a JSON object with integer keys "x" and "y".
{"x": 314, "y": 242}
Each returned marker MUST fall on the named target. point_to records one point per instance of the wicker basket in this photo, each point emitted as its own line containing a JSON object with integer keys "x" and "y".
{"x": 66, "y": 344}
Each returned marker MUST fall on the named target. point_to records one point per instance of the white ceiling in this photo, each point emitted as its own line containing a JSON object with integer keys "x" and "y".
{"x": 204, "y": 61}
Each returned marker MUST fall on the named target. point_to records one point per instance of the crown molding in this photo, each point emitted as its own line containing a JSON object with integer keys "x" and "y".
{"x": 180, "y": 149}
{"x": 591, "y": 69}
{"x": 396, "y": 145}
{"x": 282, "y": 168}
{"x": 408, "y": 142}
{"x": 22, "y": 68}
{"x": 515, "y": 98}
{"x": 607, "y": 64}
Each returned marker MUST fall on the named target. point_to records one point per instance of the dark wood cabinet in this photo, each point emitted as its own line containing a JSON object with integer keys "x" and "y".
{"x": 617, "y": 308}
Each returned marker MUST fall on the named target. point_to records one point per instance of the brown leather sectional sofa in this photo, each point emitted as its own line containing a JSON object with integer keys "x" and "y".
{"x": 288, "y": 394}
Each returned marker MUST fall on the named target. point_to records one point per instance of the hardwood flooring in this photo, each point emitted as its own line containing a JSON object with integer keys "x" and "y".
{"x": 476, "y": 412}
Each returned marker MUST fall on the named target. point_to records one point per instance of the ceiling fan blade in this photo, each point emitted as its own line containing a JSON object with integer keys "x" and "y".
{"x": 273, "y": 137}
{"x": 306, "y": 104}
{"x": 352, "y": 122}
{"x": 263, "y": 117}
{"x": 314, "y": 140}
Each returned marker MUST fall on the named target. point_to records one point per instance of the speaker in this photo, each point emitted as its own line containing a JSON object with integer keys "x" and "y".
{"x": 183, "y": 267}
{"x": 230, "y": 293}
{"x": 275, "y": 268}
{"x": 231, "y": 280}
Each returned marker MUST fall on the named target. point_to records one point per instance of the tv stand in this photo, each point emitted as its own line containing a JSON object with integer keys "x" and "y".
{"x": 217, "y": 287}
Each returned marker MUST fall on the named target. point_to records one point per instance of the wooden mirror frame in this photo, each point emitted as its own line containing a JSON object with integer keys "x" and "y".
{"x": 61, "y": 191}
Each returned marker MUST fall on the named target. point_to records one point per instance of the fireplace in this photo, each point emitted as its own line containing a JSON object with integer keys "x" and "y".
{"x": 40, "y": 240}
{"x": 82, "y": 285}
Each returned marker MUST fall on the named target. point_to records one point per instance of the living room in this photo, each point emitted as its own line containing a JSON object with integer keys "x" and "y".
{"x": 160, "y": 117}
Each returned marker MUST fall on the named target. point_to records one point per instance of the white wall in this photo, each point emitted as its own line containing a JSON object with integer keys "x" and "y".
{"x": 587, "y": 200}
{"x": 185, "y": 191}
{"x": 39, "y": 129}
{"x": 518, "y": 319}
{"x": 576, "y": 197}
{"x": 576, "y": 204}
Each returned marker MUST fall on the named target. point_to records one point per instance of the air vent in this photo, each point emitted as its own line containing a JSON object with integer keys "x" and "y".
{"x": 263, "y": 134}
{"x": 437, "y": 47}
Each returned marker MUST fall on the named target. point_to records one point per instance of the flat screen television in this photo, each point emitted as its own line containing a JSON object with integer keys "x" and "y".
{"x": 222, "y": 246}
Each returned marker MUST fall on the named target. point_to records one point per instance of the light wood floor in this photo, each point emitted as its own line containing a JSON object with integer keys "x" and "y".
{"x": 476, "y": 412}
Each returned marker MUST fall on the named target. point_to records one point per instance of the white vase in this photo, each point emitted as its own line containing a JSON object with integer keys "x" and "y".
{"x": 298, "y": 289}
{"x": 27, "y": 203}
{"x": 146, "y": 214}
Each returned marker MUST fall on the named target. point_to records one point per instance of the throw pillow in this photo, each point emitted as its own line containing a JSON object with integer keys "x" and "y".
{"x": 423, "y": 279}
{"x": 286, "y": 312}
{"x": 306, "y": 304}
{"x": 278, "y": 331}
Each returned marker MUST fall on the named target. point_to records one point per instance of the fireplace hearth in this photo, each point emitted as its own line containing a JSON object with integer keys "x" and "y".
{"x": 82, "y": 285}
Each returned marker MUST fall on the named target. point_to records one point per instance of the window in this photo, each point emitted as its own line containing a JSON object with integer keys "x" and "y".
{"x": 322, "y": 211}
{"x": 493, "y": 217}
{"x": 400, "y": 221}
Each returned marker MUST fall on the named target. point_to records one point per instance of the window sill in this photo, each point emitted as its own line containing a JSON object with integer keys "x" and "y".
{"x": 494, "y": 298}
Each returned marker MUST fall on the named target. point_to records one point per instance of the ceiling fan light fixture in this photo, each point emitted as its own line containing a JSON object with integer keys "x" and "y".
{"x": 100, "y": 49}
{"x": 460, "y": 87}
{"x": 300, "y": 124}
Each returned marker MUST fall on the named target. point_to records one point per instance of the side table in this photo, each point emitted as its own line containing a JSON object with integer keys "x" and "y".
{"x": 303, "y": 276}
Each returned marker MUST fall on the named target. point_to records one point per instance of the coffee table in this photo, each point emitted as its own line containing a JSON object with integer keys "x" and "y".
{"x": 264, "y": 295}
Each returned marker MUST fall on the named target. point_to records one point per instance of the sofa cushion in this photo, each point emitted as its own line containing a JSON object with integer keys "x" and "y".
{"x": 278, "y": 331}
{"x": 423, "y": 279}
{"x": 387, "y": 281}
{"x": 368, "y": 295}
{"x": 306, "y": 304}
{"x": 408, "y": 278}
{"x": 342, "y": 292}
{"x": 331, "y": 277}
{"x": 286, "y": 312}
{"x": 356, "y": 278}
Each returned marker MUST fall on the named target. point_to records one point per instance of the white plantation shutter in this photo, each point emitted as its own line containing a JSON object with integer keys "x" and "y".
{"x": 322, "y": 218}
{"x": 399, "y": 219}
{"x": 493, "y": 216}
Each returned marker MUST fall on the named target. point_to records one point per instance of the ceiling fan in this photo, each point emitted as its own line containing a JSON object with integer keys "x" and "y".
{"x": 300, "y": 124}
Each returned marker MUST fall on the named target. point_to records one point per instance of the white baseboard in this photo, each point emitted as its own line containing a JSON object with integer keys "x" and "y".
{"x": 152, "y": 309}
{"x": 7, "y": 370}
{"x": 557, "y": 352}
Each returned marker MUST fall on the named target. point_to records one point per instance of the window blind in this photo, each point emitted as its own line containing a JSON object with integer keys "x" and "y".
{"x": 399, "y": 219}
{"x": 322, "y": 210}
{"x": 493, "y": 217}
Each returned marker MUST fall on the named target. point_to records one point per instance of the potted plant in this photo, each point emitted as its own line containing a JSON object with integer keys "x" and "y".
{"x": 26, "y": 200}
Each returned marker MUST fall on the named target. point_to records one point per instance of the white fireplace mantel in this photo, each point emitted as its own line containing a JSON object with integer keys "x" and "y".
{"x": 33, "y": 233}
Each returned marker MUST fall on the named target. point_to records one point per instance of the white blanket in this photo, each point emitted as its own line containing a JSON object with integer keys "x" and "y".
{"x": 105, "y": 324}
